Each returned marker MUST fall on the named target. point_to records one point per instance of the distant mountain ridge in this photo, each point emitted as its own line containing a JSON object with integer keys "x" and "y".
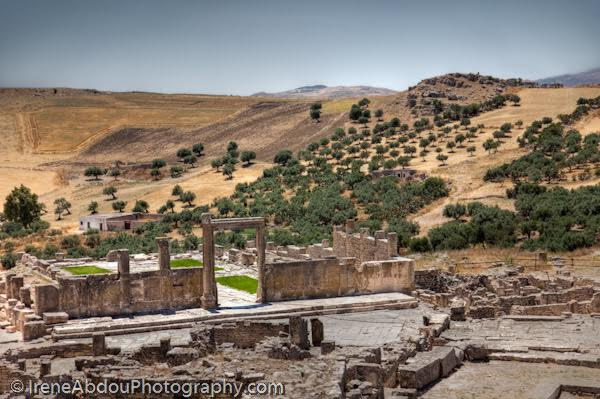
{"x": 322, "y": 91}
{"x": 584, "y": 78}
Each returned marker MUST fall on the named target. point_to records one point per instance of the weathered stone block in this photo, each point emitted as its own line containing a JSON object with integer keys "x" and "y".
{"x": 179, "y": 356}
{"x": 33, "y": 329}
{"x": 55, "y": 317}
{"x": 299, "y": 332}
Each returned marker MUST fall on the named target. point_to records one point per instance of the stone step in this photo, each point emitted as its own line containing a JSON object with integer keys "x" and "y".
{"x": 132, "y": 327}
{"x": 561, "y": 358}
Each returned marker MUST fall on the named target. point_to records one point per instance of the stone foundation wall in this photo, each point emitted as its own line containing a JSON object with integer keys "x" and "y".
{"x": 324, "y": 278}
{"x": 245, "y": 334}
{"x": 117, "y": 294}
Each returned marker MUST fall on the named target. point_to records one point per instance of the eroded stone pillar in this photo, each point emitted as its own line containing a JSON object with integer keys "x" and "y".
{"x": 316, "y": 331}
{"x": 392, "y": 244}
{"x": 25, "y": 296}
{"x": 299, "y": 332}
{"x": 261, "y": 294}
{"x": 98, "y": 344}
{"x": 164, "y": 255}
{"x": 209, "y": 297}
{"x": 124, "y": 279}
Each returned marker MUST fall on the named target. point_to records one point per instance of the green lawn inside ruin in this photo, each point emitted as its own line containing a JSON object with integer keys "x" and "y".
{"x": 86, "y": 269}
{"x": 177, "y": 263}
{"x": 242, "y": 283}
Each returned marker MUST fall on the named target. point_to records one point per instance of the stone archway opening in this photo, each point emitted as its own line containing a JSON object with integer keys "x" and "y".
{"x": 209, "y": 226}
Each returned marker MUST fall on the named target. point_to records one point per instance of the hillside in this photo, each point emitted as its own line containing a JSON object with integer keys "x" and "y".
{"x": 590, "y": 77}
{"x": 51, "y": 137}
{"x": 324, "y": 92}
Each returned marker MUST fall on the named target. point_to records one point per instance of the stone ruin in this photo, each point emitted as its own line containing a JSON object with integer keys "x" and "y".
{"x": 73, "y": 326}
{"x": 509, "y": 293}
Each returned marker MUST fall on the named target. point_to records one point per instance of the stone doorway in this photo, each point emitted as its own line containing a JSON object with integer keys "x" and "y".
{"x": 209, "y": 226}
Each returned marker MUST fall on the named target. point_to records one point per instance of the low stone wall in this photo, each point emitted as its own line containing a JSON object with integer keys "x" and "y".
{"x": 324, "y": 278}
{"x": 246, "y": 334}
{"x": 117, "y": 294}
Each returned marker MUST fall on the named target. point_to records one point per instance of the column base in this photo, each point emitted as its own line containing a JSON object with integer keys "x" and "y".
{"x": 208, "y": 302}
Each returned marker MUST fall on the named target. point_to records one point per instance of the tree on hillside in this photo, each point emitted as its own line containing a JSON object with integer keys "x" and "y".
{"x": 232, "y": 146}
{"x": 158, "y": 163}
{"x": 115, "y": 173}
{"x": 459, "y": 139}
{"x": 188, "y": 197}
{"x": 316, "y": 106}
{"x": 355, "y": 112}
{"x": 489, "y": 145}
{"x": 364, "y": 102}
{"x": 216, "y": 163}
{"x": 176, "y": 171}
{"x": 403, "y": 161}
{"x": 177, "y": 191}
{"x": 471, "y": 150}
{"x": 506, "y": 127}
{"x": 442, "y": 158}
{"x": 450, "y": 145}
{"x": 228, "y": 170}
{"x": 363, "y": 120}
{"x": 110, "y": 190}
{"x": 247, "y": 157}
{"x": 379, "y": 114}
{"x": 283, "y": 157}
{"x": 62, "y": 205}
{"x": 182, "y": 153}
{"x": 455, "y": 211}
{"x": 190, "y": 160}
{"x": 22, "y": 206}
{"x": 119, "y": 205}
{"x": 94, "y": 171}
{"x": 315, "y": 115}
{"x": 410, "y": 150}
{"x": 93, "y": 207}
{"x": 141, "y": 206}
{"x": 198, "y": 149}
{"x": 155, "y": 173}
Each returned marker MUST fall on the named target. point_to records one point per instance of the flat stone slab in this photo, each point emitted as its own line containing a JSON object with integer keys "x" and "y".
{"x": 428, "y": 367}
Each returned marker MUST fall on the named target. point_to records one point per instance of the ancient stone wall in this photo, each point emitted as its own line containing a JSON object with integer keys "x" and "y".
{"x": 245, "y": 334}
{"x": 323, "y": 278}
{"x": 106, "y": 295}
{"x": 362, "y": 246}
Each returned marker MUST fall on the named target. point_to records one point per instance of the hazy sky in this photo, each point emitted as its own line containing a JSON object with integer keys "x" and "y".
{"x": 241, "y": 47}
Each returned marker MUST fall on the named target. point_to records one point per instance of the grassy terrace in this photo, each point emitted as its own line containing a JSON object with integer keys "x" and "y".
{"x": 242, "y": 283}
{"x": 177, "y": 263}
{"x": 86, "y": 269}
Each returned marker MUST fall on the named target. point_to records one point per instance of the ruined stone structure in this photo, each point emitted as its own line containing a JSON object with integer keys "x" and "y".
{"x": 362, "y": 246}
{"x": 322, "y": 278}
{"x": 405, "y": 175}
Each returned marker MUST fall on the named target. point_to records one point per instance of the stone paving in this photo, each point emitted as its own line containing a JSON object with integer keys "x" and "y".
{"x": 352, "y": 329}
{"x": 510, "y": 380}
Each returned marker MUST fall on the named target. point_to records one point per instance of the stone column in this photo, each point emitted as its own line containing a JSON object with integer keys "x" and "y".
{"x": 164, "y": 256}
{"x": 98, "y": 344}
{"x": 124, "y": 279}
{"x": 209, "y": 298}
{"x": 261, "y": 293}
{"x": 392, "y": 244}
{"x": 299, "y": 332}
{"x": 316, "y": 331}
{"x": 164, "y": 267}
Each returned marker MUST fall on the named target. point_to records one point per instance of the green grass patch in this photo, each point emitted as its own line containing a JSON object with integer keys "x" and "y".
{"x": 176, "y": 263}
{"x": 242, "y": 283}
{"x": 86, "y": 269}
